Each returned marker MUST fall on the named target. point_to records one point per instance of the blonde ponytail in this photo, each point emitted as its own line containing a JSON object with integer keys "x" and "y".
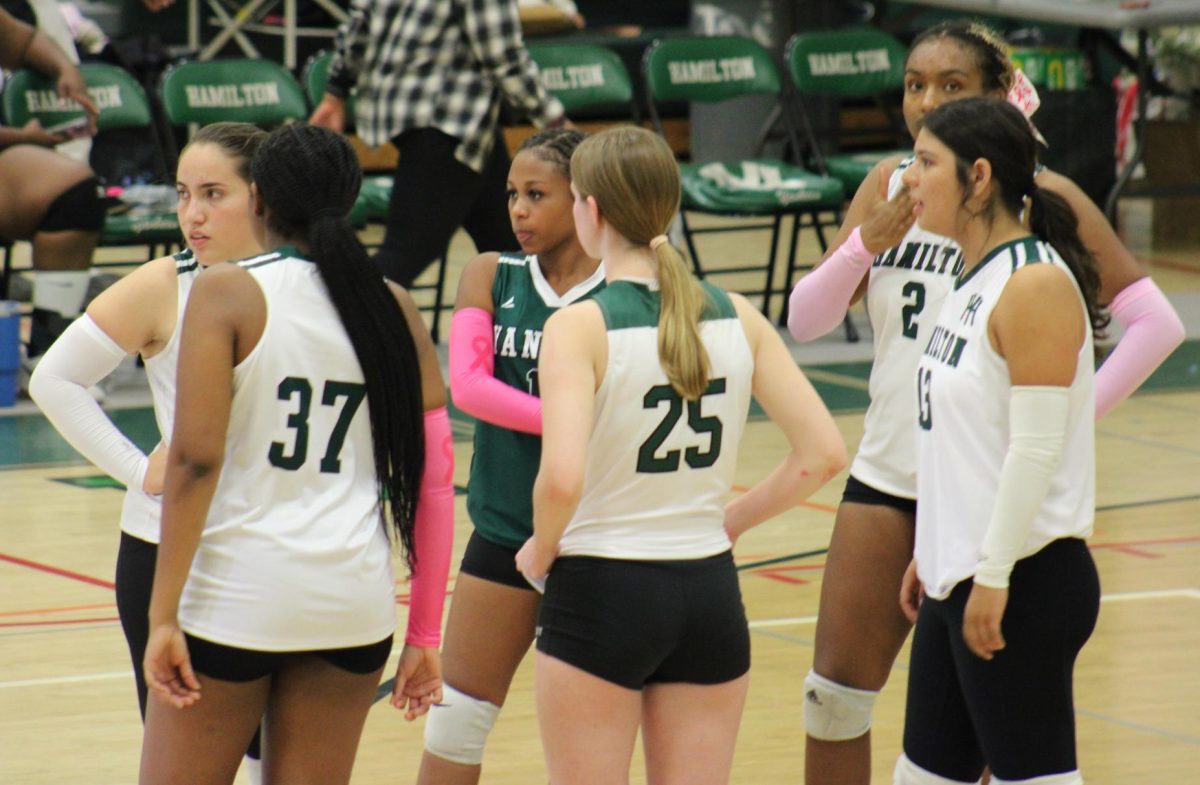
{"x": 680, "y": 350}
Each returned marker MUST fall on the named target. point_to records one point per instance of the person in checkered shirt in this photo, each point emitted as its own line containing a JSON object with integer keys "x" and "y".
{"x": 429, "y": 76}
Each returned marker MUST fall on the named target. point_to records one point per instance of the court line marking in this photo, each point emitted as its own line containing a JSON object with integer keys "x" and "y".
{"x": 58, "y": 622}
{"x": 401, "y": 598}
{"x": 51, "y": 680}
{"x": 1138, "y": 726}
{"x": 1129, "y": 596}
{"x": 795, "y": 621}
{"x": 840, "y": 379}
{"x": 1171, "y": 264}
{"x": 1152, "y": 443}
{"x": 385, "y": 688}
{"x": 76, "y": 576}
{"x": 66, "y": 609}
{"x": 1149, "y": 503}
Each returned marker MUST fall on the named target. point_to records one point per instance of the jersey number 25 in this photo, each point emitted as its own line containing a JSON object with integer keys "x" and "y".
{"x": 648, "y": 462}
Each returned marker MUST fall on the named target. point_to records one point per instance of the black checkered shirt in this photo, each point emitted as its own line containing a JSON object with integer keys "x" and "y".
{"x": 440, "y": 64}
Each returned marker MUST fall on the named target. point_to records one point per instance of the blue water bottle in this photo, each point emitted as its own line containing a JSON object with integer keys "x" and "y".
{"x": 10, "y": 354}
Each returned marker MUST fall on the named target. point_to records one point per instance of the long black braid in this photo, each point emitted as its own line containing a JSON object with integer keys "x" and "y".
{"x": 308, "y": 177}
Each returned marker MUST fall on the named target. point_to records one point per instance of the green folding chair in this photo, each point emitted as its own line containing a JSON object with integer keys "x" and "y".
{"x": 261, "y": 92}
{"x": 585, "y": 76}
{"x": 239, "y": 90}
{"x": 862, "y": 63}
{"x": 122, "y": 103}
{"x": 376, "y": 189}
{"x": 315, "y": 75}
{"x": 714, "y": 70}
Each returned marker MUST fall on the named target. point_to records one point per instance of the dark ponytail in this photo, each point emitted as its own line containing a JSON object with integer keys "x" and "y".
{"x": 994, "y": 130}
{"x": 308, "y": 177}
{"x": 1053, "y": 220}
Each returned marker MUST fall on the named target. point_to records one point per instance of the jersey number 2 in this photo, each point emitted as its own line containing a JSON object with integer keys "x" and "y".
{"x": 301, "y": 391}
{"x": 912, "y": 308}
{"x": 648, "y": 462}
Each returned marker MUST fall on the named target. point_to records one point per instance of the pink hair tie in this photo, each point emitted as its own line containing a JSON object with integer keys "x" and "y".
{"x": 1024, "y": 96}
{"x": 657, "y": 241}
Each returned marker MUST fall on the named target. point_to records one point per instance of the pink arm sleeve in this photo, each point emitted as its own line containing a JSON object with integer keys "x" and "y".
{"x": 820, "y": 299}
{"x": 433, "y": 535}
{"x": 473, "y": 387}
{"x": 1152, "y": 331}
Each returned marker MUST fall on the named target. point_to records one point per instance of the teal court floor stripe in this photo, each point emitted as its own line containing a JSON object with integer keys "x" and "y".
{"x": 29, "y": 440}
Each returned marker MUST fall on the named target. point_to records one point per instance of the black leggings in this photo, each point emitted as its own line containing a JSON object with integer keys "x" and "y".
{"x": 433, "y": 194}
{"x": 135, "y": 579}
{"x": 1016, "y": 712}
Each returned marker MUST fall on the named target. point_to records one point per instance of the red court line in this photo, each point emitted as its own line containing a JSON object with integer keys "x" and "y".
{"x": 54, "y": 623}
{"x": 38, "y": 611}
{"x": 57, "y": 571}
{"x": 1122, "y": 544}
{"x": 1138, "y": 552}
{"x": 810, "y": 505}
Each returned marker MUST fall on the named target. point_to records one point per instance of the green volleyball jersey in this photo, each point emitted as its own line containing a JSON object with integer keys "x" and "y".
{"x": 505, "y": 462}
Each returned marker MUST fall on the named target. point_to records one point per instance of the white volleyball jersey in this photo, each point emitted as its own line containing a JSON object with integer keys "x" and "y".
{"x": 294, "y": 554}
{"x": 906, "y": 287}
{"x": 141, "y": 514}
{"x": 963, "y": 389}
{"x": 659, "y": 468}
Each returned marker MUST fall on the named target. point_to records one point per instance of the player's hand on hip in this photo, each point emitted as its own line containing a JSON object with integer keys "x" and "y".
{"x": 156, "y": 470}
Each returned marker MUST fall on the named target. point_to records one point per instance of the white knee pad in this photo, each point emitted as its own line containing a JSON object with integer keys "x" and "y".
{"x": 457, "y": 728}
{"x": 909, "y": 773}
{"x": 1064, "y": 778}
{"x": 835, "y": 712}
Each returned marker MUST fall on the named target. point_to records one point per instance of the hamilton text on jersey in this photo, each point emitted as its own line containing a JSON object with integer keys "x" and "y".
{"x": 929, "y": 257}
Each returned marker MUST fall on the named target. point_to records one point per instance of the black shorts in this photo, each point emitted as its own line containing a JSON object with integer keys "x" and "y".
{"x": 635, "y": 623}
{"x": 134, "y": 581}
{"x": 491, "y": 562}
{"x": 859, "y": 492}
{"x": 1015, "y": 712}
{"x": 230, "y": 663}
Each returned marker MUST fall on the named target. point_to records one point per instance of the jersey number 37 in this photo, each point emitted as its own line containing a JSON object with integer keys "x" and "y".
{"x": 299, "y": 391}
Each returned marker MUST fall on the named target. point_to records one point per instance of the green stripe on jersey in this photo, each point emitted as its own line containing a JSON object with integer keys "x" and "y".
{"x": 627, "y": 305}
{"x": 280, "y": 253}
{"x": 185, "y": 261}
{"x": 1023, "y": 250}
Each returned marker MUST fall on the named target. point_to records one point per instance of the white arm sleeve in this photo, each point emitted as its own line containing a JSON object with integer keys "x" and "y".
{"x": 81, "y": 357}
{"x": 1037, "y": 429}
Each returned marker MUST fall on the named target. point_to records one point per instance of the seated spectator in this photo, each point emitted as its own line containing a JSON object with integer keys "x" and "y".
{"x": 47, "y": 199}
